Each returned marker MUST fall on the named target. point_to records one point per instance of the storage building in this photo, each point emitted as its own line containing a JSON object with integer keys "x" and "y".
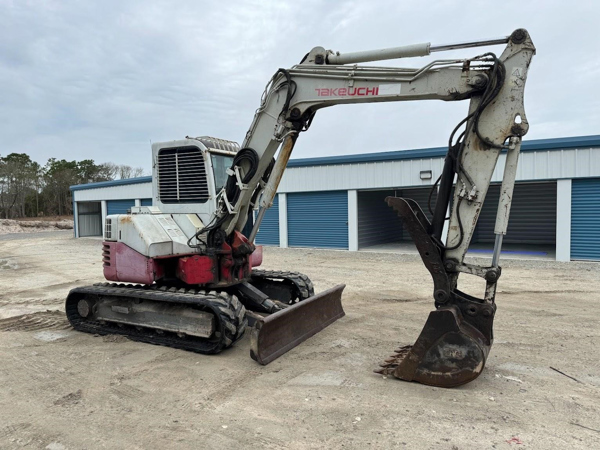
{"x": 338, "y": 202}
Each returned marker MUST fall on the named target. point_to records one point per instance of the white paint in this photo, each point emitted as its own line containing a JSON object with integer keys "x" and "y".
{"x": 446, "y": 225}
{"x": 283, "y": 221}
{"x": 103, "y": 210}
{"x": 563, "y": 220}
{"x": 75, "y": 219}
{"x": 353, "y": 220}
{"x": 138, "y": 202}
{"x": 390, "y": 89}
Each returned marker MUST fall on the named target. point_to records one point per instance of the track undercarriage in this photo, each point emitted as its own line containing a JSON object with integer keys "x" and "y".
{"x": 190, "y": 318}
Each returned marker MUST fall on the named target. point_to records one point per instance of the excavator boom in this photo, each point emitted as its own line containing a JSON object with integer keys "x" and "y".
{"x": 193, "y": 253}
{"x": 456, "y": 340}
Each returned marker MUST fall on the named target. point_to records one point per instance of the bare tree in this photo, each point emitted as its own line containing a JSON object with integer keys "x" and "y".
{"x": 125, "y": 171}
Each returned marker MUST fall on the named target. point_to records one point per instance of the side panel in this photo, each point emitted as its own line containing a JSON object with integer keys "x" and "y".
{"x": 585, "y": 219}
{"x": 119, "y": 206}
{"x": 318, "y": 219}
{"x": 268, "y": 233}
{"x": 122, "y": 263}
{"x": 146, "y": 202}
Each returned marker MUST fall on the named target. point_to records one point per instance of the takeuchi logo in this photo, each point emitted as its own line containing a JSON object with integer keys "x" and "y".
{"x": 347, "y": 92}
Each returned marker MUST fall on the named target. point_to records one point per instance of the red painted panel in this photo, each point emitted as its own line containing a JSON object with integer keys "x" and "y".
{"x": 256, "y": 257}
{"x": 122, "y": 263}
{"x": 197, "y": 269}
{"x": 109, "y": 260}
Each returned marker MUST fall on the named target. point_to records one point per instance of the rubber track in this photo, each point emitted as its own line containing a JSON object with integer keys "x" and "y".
{"x": 304, "y": 287}
{"x": 230, "y": 314}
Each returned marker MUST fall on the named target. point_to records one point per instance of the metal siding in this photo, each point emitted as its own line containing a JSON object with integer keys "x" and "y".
{"x": 88, "y": 208}
{"x": 318, "y": 219}
{"x": 527, "y": 146}
{"x": 146, "y": 202}
{"x": 535, "y": 165}
{"x": 421, "y": 196}
{"x": 532, "y": 215}
{"x": 374, "y": 175}
{"x": 90, "y": 225}
{"x": 140, "y": 190}
{"x": 127, "y": 181}
{"x": 377, "y": 222}
{"x": 585, "y": 219}
{"x": 119, "y": 206}
{"x": 268, "y": 233}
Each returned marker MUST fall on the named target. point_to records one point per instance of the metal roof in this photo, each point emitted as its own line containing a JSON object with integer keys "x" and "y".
{"x": 101, "y": 184}
{"x": 527, "y": 146}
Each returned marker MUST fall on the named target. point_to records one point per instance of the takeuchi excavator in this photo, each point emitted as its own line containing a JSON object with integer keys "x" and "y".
{"x": 183, "y": 272}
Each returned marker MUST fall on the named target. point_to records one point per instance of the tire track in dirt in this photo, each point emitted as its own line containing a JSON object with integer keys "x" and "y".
{"x": 11, "y": 430}
{"x": 42, "y": 290}
{"x": 46, "y": 320}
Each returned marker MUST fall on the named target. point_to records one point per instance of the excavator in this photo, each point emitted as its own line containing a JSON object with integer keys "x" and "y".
{"x": 183, "y": 272}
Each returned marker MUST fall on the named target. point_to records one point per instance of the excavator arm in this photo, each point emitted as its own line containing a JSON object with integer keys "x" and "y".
{"x": 457, "y": 337}
{"x": 292, "y": 98}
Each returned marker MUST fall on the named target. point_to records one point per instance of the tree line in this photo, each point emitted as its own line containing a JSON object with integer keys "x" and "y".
{"x": 28, "y": 189}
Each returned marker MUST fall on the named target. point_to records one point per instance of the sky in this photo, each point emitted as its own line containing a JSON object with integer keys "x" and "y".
{"x": 102, "y": 80}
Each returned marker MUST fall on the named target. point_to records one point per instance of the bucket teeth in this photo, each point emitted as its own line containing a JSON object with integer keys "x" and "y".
{"x": 389, "y": 365}
{"x": 449, "y": 352}
{"x": 404, "y": 349}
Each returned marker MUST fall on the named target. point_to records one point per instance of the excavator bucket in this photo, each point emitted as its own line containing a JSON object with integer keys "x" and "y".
{"x": 276, "y": 334}
{"x": 451, "y": 349}
{"x": 449, "y": 352}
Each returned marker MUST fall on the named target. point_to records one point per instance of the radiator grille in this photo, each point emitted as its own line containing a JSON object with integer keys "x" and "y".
{"x": 182, "y": 176}
{"x": 108, "y": 229}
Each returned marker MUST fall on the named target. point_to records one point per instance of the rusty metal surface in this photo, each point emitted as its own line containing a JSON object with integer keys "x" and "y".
{"x": 274, "y": 335}
{"x": 448, "y": 353}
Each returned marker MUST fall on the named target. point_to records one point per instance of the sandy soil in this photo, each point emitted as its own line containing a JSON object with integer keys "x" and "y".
{"x": 60, "y": 389}
{"x": 35, "y": 224}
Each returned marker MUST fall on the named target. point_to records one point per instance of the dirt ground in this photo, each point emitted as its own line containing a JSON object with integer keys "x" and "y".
{"x": 35, "y": 224}
{"x": 60, "y": 389}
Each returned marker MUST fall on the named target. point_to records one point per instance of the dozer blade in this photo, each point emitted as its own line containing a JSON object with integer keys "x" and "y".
{"x": 449, "y": 352}
{"x": 274, "y": 335}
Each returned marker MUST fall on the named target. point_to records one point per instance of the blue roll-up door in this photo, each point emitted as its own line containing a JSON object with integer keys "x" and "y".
{"x": 585, "y": 219}
{"x": 146, "y": 202}
{"x": 318, "y": 219}
{"x": 268, "y": 233}
{"x": 119, "y": 206}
